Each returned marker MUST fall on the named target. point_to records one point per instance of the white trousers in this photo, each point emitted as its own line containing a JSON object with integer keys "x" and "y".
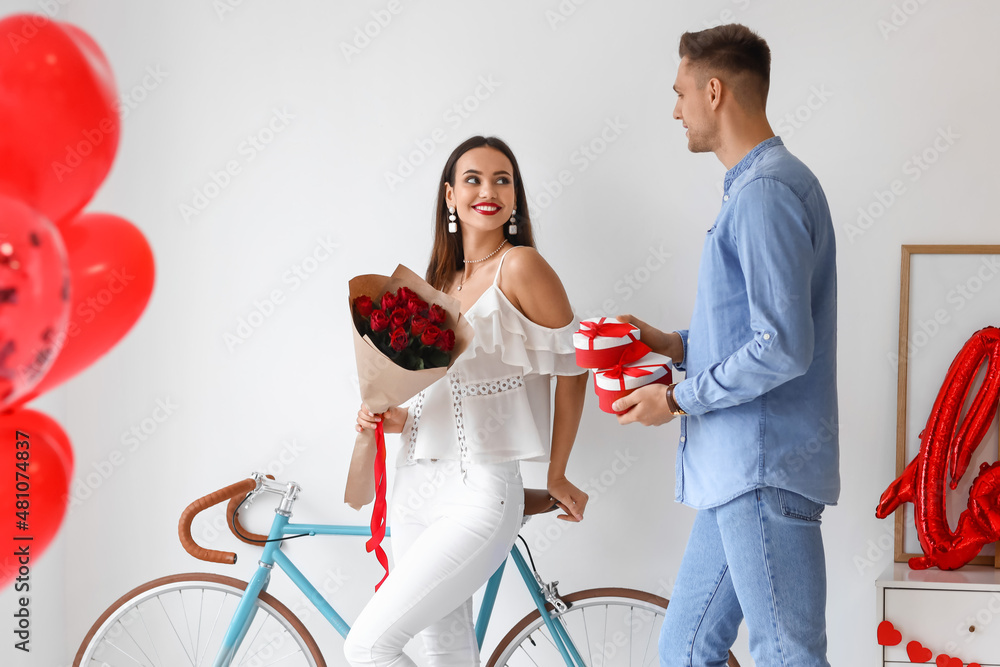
{"x": 452, "y": 527}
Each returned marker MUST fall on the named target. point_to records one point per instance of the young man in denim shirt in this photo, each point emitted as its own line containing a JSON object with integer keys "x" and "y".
{"x": 758, "y": 453}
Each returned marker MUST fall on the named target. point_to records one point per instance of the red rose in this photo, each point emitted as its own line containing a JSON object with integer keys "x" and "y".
{"x": 415, "y": 305}
{"x": 388, "y": 302}
{"x": 418, "y": 325}
{"x": 405, "y": 294}
{"x": 399, "y": 340}
{"x": 364, "y": 305}
{"x": 436, "y": 314}
{"x": 430, "y": 335}
{"x": 379, "y": 320}
{"x": 446, "y": 343}
{"x": 399, "y": 317}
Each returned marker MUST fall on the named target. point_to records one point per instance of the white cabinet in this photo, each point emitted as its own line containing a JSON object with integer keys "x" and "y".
{"x": 956, "y": 613}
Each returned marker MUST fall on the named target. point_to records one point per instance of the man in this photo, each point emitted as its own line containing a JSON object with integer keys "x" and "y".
{"x": 758, "y": 452}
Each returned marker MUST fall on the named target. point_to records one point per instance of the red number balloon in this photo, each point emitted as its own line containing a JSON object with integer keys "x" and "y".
{"x": 941, "y": 443}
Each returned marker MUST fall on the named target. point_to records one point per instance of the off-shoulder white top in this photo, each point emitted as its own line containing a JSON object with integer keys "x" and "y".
{"x": 494, "y": 403}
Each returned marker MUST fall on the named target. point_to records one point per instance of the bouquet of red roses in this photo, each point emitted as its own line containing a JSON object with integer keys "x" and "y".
{"x": 405, "y": 328}
{"x": 406, "y": 337}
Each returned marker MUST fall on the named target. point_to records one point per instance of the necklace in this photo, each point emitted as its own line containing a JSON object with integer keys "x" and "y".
{"x": 476, "y": 261}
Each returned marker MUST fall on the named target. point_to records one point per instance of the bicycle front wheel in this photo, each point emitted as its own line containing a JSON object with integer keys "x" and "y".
{"x": 610, "y": 627}
{"x": 182, "y": 619}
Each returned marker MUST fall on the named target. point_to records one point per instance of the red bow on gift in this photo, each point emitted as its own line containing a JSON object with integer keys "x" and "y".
{"x": 634, "y": 351}
{"x": 607, "y": 329}
{"x": 620, "y": 371}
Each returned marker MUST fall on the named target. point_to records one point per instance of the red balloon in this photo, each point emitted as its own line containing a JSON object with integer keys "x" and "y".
{"x": 34, "y": 298}
{"x": 111, "y": 273}
{"x": 948, "y": 440}
{"x": 37, "y": 488}
{"x": 59, "y": 124}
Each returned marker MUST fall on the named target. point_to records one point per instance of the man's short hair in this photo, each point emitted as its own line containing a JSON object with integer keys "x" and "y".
{"x": 734, "y": 54}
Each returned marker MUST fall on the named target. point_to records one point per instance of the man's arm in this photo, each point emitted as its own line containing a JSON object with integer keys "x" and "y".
{"x": 776, "y": 256}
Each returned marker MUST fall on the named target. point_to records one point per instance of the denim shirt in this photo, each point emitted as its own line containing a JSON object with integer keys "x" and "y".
{"x": 760, "y": 356}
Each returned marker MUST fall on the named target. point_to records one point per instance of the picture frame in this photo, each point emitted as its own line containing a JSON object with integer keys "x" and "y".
{"x": 947, "y": 292}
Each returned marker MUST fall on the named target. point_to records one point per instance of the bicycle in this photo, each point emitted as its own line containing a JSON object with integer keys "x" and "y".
{"x": 179, "y": 619}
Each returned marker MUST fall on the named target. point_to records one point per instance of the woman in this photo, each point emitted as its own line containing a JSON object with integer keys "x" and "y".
{"x": 458, "y": 500}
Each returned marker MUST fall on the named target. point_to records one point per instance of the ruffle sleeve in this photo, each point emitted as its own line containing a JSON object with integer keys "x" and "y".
{"x": 501, "y": 328}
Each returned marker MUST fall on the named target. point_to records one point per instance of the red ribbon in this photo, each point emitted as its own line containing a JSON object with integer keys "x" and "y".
{"x": 620, "y": 371}
{"x": 606, "y": 329}
{"x": 379, "y": 510}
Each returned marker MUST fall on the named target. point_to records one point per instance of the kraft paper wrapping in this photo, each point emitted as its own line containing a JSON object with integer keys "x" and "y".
{"x": 383, "y": 383}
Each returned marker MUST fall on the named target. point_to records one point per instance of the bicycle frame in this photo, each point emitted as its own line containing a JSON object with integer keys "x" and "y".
{"x": 272, "y": 555}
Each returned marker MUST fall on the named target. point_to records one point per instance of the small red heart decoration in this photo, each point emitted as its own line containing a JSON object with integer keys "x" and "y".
{"x": 917, "y": 653}
{"x": 974, "y": 664}
{"x": 888, "y": 635}
{"x": 945, "y": 660}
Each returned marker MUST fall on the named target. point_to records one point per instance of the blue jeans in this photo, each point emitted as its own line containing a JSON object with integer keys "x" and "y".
{"x": 759, "y": 556}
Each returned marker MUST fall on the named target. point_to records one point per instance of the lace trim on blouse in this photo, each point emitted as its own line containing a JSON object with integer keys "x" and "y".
{"x": 491, "y": 387}
{"x": 459, "y": 391}
{"x": 417, "y": 408}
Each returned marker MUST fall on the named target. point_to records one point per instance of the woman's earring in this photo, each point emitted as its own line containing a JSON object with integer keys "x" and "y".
{"x": 452, "y": 226}
{"x": 512, "y": 229}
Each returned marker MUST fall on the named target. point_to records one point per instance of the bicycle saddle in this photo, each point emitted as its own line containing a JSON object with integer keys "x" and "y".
{"x": 538, "y": 501}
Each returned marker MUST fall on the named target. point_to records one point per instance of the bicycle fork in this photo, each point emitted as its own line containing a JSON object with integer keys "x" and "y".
{"x": 243, "y": 617}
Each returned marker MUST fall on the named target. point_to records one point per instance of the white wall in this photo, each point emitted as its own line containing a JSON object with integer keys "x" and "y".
{"x": 865, "y": 102}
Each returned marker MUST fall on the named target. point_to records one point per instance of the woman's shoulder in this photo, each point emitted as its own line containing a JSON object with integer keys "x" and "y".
{"x": 525, "y": 265}
{"x": 533, "y": 287}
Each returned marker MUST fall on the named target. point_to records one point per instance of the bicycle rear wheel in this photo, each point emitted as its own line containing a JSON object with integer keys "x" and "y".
{"x": 610, "y": 627}
{"x": 181, "y": 620}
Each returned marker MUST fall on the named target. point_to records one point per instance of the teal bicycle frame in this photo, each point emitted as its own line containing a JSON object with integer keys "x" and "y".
{"x": 280, "y": 527}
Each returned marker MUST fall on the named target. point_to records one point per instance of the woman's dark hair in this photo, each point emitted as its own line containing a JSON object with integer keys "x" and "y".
{"x": 448, "y": 253}
{"x": 733, "y": 50}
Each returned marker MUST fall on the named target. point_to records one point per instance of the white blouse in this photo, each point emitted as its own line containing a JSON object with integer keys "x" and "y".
{"x": 494, "y": 403}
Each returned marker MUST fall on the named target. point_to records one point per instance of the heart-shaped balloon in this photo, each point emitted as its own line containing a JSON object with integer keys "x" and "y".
{"x": 34, "y": 298}
{"x": 37, "y": 489}
{"x": 111, "y": 275}
{"x": 59, "y": 123}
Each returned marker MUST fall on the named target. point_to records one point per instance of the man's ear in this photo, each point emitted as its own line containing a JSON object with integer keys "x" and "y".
{"x": 714, "y": 87}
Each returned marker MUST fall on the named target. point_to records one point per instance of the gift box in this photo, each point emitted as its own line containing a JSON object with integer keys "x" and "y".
{"x": 611, "y": 384}
{"x": 603, "y": 343}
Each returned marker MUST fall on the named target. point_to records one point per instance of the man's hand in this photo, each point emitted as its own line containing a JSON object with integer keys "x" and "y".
{"x": 660, "y": 342}
{"x": 648, "y": 406}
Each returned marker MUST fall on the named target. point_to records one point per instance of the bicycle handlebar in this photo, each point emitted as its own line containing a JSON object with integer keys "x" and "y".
{"x": 234, "y": 491}
{"x": 239, "y": 531}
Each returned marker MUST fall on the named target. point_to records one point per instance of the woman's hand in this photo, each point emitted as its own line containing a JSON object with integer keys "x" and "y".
{"x": 661, "y": 342}
{"x": 392, "y": 419}
{"x": 570, "y": 499}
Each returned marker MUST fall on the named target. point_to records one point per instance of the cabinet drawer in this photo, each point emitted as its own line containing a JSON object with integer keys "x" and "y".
{"x": 962, "y": 623}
